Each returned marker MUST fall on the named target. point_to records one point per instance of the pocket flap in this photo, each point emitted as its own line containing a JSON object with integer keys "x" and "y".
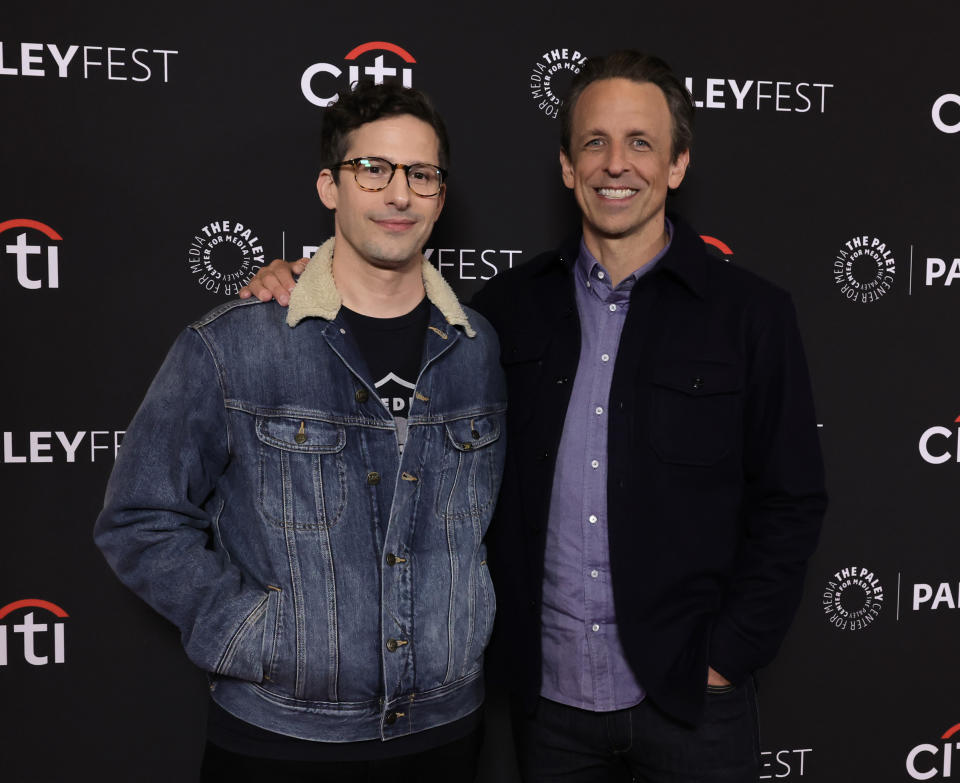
{"x": 469, "y": 434}
{"x": 698, "y": 379}
{"x": 305, "y": 435}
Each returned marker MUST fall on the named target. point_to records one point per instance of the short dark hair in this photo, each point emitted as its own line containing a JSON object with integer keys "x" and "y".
{"x": 369, "y": 102}
{"x": 641, "y": 68}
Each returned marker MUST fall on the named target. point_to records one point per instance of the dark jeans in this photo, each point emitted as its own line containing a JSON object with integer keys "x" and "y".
{"x": 642, "y": 744}
{"x": 454, "y": 762}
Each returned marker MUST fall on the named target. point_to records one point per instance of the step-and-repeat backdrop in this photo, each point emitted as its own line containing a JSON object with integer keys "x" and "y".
{"x": 153, "y": 156}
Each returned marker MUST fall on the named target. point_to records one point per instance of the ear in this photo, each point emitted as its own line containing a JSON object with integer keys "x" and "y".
{"x": 566, "y": 169}
{"x": 678, "y": 168}
{"x": 327, "y": 189}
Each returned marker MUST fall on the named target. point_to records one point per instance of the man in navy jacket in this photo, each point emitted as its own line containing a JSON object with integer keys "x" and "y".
{"x": 664, "y": 485}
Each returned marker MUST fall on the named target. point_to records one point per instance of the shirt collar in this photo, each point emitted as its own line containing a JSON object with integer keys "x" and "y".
{"x": 591, "y": 274}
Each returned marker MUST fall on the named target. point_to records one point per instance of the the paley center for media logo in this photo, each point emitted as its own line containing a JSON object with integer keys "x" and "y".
{"x": 852, "y": 598}
{"x": 224, "y": 255}
{"x": 378, "y": 60}
{"x": 864, "y": 269}
{"x": 549, "y": 78}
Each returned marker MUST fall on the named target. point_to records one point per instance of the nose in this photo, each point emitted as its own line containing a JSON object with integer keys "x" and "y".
{"x": 397, "y": 192}
{"x": 616, "y": 162}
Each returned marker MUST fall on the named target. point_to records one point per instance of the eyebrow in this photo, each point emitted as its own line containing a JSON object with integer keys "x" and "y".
{"x": 635, "y": 132}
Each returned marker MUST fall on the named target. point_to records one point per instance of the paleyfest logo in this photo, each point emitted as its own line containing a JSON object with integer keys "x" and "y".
{"x": 864, "y": 269}
{"x": 321, "y": 81}
{"x": 550, "y": 78}
{"x": 224, "y": 256}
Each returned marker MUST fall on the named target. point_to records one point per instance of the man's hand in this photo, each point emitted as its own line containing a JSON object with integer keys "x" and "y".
{"x": 715, "y": 678}
{"x": 274, "y": 281}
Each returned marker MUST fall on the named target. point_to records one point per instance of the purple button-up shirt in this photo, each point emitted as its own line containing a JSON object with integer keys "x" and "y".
{"x": 583, "y": 661}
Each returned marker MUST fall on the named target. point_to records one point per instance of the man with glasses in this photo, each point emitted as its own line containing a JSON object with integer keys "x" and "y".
{"x": 663, "y": 490}
{"x": 305, "y": 492}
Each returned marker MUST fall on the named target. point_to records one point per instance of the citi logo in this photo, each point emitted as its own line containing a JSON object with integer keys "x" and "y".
{"x": 937, "y": 113}
{"x": 379, "y": 70}
{"x": 35, "y": 646}
{"x": 935, "y": 444}
{"x": 32, "y": 272}
{"x": 721, "y": 248}
{"x": 928, "y": 761}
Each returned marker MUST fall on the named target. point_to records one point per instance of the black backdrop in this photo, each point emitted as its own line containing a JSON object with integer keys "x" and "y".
{"x": 827, "y": 159}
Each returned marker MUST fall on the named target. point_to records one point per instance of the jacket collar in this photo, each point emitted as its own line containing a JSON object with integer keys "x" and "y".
{"x": 686, "y": 258}
{"x": 316, "y": 295}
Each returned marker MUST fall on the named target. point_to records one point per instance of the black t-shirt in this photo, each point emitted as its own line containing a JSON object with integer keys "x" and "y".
{"x": 392, "y": 349}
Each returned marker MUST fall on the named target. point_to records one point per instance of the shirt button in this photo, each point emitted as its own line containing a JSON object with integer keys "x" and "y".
{"x": 588, "y": 284}
{"x": 391, "y": 559}
{"x": 595, "y": 464}
{"x": 613, "y": 308}
{"x": 592, "y": 519}
{"x": 594, "y": 573}
{"x": 600, "y": 275}
{"x": 362, "y": 395}
{"x": 594, "y": 627}
{"x": 599, "y": 410}
{"x": 390, "y": 718}
{"x": 604, "y": 357}
{"x": 373, "y": 477}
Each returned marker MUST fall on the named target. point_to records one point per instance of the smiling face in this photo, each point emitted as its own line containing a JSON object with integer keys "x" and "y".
{"x": 621, "y": 164}
{"x": 386, "y": 228}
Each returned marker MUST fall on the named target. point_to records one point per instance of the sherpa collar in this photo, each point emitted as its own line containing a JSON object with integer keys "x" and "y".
{"x": 316, "y": 293}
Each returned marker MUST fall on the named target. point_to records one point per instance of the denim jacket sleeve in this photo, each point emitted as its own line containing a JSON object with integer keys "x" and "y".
{"x": 159, "y": 514}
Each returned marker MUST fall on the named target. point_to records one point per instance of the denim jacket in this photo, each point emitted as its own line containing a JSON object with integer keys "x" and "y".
{"x": 335, "y": 589}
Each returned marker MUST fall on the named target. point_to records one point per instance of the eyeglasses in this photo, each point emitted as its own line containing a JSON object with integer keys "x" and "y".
{"x": 374, "y": 174}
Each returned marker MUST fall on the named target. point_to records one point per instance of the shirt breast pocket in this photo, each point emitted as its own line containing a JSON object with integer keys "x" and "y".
{"x": 469, "y": 475}
{"x": 302, "y": 471}
{"x": 695, "y": 412}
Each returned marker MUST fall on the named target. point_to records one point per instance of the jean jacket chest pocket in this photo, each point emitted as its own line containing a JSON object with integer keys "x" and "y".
{"x": 302, "y": 471}
{"x": 695, "y": 412}
{"x": 470, "y": 473}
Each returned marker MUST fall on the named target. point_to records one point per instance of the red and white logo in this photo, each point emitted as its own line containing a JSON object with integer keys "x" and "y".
{"x": 37, "y": 258}
{"x": 35, "y": 629}
{"x": 939, "y": 444}
{"x": 928, "y": 761}
{"x": 717, "y": 247}
{"x": 385, "y": 60}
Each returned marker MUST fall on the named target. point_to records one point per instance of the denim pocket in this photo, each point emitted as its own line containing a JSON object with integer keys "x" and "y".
{"x": 272, "y": 631}
{"x": 695, "y": 412}
{"x": 468, "y": 471}
{"x": 302, "y": 471}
